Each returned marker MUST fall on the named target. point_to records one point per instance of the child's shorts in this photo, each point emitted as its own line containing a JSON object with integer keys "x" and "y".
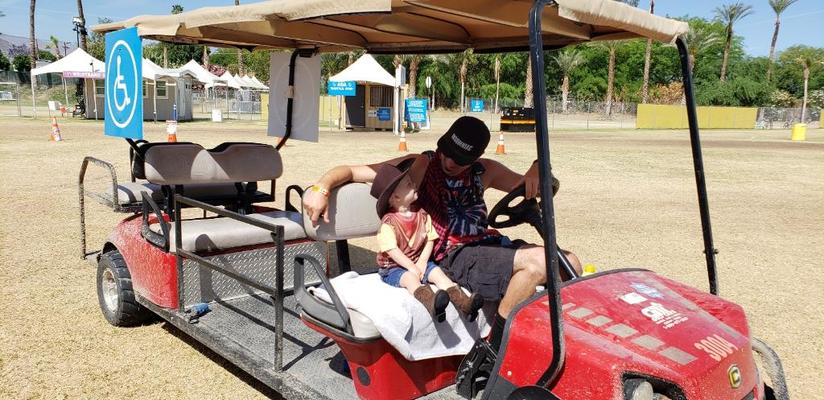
{"x": 392, "y": 276}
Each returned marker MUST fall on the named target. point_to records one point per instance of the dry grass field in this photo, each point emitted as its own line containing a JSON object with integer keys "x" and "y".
{"x": 627, "y": 199}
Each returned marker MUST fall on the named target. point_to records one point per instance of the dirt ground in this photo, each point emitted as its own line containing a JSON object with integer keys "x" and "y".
{"x": 627, "y": 199}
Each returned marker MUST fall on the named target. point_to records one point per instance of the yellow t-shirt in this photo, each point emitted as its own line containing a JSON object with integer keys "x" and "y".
{"x": 386, "y": 236}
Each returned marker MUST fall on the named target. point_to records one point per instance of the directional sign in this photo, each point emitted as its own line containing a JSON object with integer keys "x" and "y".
{"x": 342, "y": 88}
{"x": 476, "y": 105}
{"x": 416, "y": 110}
{"x": 124, "y": 84}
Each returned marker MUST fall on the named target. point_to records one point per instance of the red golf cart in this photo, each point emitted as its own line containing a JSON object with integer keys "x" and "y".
{"x": 251, "y": 276}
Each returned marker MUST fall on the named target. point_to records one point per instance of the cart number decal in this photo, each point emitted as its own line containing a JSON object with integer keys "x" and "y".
{"x": 717, "y": 347}
{"x": 663, "y": 316}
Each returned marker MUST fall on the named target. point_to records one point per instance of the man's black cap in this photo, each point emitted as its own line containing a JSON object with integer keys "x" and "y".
{"x": 465, "y": 140}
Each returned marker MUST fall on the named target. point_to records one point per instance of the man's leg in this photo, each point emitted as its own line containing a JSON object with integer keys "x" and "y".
{"x": 528, "y": 272}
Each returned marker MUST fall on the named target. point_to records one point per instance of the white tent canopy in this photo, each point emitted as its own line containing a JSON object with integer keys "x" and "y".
{"x": 76, "y": 61}
{"x": 365, "y": 69}
{"x": 153, "y": 71}
{"x": 231, "y": 80}
{"x": 202, "y": 74}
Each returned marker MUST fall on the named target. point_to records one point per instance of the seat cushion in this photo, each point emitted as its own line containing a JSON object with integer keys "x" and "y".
{"x": 129, "y": 192}
{"x": 220, "y": 233}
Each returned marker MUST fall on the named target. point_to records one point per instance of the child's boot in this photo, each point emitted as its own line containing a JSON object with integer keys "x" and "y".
{"x": 435, "y": 303}
{"x": 468, "y": 305}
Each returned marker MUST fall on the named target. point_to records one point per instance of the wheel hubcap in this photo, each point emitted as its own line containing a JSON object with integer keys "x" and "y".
{"x": 108, "y": 287}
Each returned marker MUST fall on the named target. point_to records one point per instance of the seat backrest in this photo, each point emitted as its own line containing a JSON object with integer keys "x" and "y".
{"x": 352, "y": 215}
{"x": 189, "y": 163}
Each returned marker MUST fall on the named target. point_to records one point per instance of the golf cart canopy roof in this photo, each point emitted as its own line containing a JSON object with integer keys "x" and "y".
{"x": 401, "y": 26}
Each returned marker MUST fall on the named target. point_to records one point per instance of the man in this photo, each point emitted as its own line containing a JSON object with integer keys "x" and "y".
{"x": 451, "y": 182}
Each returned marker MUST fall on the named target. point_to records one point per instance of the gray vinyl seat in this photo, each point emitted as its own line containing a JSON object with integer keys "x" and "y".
{"x": 219, "y": 233}
{"x": 130, "y": 192}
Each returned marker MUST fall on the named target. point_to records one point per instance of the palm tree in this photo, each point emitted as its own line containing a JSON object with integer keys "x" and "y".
{"x": 647, "y": 61}
{"x": 240, "y": 68}
{"x": 528, "y": 101}
{"x": 497, "y": 73}
{"x": 83, "y": 24}
{"x": 611, "y": 46}
{"x": 697, "y": 39}
{"x": 778, "y": 6}
{"x": 808, "y": 60}
{"x": 466, "y": 58}
{"x": 414, "y": 63}
{"x": 567, "y": 60}
{"x": 33, "y": 41}
{"x": 729, "y": 14}
{"x": 55, "y": 44}
{"x": 206, "y": 56}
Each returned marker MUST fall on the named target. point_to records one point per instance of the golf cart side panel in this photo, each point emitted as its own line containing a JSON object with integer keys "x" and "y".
{"x": 153, "y": 271}
{"x": 379, "y": 371}
{"x": 641, "y": 325}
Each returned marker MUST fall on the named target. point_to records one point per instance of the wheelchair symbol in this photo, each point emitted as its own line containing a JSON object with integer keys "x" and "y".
{"x": 120, "y": 85}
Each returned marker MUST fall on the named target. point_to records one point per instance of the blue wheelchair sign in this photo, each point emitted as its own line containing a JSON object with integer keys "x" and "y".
{"x": 124, "y": 84}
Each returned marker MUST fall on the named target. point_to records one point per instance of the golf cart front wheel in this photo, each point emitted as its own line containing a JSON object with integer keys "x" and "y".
{"x": 115, "y": 293}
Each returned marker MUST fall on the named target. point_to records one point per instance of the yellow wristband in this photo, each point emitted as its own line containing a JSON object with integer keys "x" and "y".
{"x": 317, "y": 188}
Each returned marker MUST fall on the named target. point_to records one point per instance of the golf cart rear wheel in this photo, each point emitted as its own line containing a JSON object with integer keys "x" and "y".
{"x": 115, "y": 294}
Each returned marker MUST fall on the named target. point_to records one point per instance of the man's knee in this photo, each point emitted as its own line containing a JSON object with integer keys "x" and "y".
{"x": 530, "y": 260}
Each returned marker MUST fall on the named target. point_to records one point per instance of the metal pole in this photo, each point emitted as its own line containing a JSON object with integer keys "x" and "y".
{"x": 94, "y": 98}
{"x": 536, "y": 50}
{"x": 33, "y": 105}
{"x": 65, "y": 91}
{"x": 154, "y": 100}
{"x": 698, "y": 166}
{"x": 17, "y": 94}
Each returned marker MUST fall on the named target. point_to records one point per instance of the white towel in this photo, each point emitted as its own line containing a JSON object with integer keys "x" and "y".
{"x": 403, "y": 321}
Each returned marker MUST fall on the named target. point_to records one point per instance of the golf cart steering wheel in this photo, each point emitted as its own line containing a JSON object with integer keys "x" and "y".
{"x": 505, "y": 215}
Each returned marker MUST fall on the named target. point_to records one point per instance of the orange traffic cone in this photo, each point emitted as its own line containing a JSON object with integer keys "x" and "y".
{"x": 171, "y": 131}
{"x": 501, "y": 148}
{"x": 402, "y": 144}
{"x": 55, "y": 133}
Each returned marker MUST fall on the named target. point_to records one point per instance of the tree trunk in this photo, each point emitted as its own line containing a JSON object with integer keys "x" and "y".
{"x": 647, "y": 61}
{"x": 463, "y": 84}
{"x": 610, "y": 80}
{"x": 528, "y": 90}
{"x": 497, "y": 80}
{"x": 32, "y": 38}
{"x": 564, "y": 93}
{"x": 772, "y": 48}
{"x": 165, "y": 56}
{"x": 413, "y": 75}
{"x": 82, "y": 21}
{"x": 727, "y": 47}
{"x": 206, "y": 56}
{"x": 804, "y": 102}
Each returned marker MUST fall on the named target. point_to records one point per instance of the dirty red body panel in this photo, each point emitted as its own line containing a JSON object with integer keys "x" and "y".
{"x": 637, "y": 323}
{"x": 153, "y": 271}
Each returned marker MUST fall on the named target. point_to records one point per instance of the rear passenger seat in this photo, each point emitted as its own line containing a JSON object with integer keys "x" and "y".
{"x": 191, "y": 166}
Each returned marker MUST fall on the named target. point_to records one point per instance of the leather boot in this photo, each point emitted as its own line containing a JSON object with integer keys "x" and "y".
{"x": 467, "y": 305}
{"x": 435, "y": 303}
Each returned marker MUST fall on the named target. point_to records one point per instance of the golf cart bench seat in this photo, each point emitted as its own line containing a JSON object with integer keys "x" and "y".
{"x": 129, "y": 193}
{"x": 190, "y": 165}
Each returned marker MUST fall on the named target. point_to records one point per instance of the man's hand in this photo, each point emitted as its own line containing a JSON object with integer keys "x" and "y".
{"x": 531, "y": 182}
{"x": 315, "y": 204}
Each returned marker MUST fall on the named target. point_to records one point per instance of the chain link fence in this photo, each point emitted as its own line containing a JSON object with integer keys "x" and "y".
{"x": 785, "y": 118}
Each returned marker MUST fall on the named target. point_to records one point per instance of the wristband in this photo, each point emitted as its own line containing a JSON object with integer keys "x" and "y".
{"x": 317, "y": 188}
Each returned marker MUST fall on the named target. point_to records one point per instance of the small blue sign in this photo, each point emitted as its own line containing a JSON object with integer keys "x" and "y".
{"x": 384, "y": 114}
{"x": 342, "y": 88}
{"x": 124, "y": 84}
{"x": 476, "y": 105}
{"x": 415, "y": 110}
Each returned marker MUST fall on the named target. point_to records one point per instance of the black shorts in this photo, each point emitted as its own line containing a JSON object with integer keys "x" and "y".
{"x": 483, "y": 267}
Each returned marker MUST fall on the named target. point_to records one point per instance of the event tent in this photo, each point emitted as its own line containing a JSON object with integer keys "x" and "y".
{"x": 374, "y": 93}
{"x": 77, "y": 64}
{"x": 365, "y": 69}
{"x": 231, "y": 80}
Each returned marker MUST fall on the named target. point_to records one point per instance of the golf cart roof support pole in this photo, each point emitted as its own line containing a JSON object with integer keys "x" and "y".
{"x": 290, "y": 101}
{"x": 698, "y": 165}
{"x": 536, "y": 51}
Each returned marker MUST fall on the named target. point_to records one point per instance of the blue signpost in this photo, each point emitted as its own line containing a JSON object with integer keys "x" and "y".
{"x": 476, "y": 105}
{"x": 416, "y": 110}
{"x": 124, "y": 84}
{"x": 343, "y": 88}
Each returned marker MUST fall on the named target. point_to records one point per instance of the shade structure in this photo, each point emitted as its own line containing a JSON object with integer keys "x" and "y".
{"x": 201, "y": 74}
{"x": 365, "y": 69}
{"x": 230, "y": 80}
{"x": 402, "y": 26}
{"x": 76, "y": 61}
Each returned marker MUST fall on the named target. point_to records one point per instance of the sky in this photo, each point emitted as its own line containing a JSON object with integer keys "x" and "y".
{"x": 800, "y": 24}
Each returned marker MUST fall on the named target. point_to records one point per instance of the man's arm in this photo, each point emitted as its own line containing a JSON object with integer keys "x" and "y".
{"x": 315, "y": 203}
{"x": 500, "y": 177}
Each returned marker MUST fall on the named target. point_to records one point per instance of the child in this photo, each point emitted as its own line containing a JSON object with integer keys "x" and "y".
{"x": 405, "y": 242}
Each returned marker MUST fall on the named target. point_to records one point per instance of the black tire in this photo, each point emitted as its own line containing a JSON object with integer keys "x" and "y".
{"x": 115, "y": 294}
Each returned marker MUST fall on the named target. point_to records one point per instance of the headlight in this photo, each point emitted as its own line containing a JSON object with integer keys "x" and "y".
{"x": 638, "y": 389}
{"x": 642, "y": 387}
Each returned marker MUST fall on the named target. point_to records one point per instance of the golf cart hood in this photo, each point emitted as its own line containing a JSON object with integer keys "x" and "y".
{"x": 635, "y": 324}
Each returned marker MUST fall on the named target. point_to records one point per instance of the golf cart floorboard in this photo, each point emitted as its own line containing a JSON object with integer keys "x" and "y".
{"x": 242, "y": 330}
